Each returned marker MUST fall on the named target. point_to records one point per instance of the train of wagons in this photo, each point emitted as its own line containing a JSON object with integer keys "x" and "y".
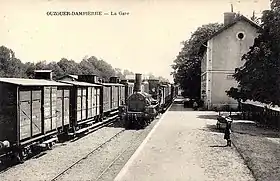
{"x": 36, "y": 113}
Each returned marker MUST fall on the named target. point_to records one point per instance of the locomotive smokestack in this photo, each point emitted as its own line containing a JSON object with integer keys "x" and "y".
{"x": 137, "y": 84}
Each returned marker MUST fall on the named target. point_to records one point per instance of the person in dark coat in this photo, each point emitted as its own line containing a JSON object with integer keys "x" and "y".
{"x": 227, "y": 133}
{"x": 195, "y": 105}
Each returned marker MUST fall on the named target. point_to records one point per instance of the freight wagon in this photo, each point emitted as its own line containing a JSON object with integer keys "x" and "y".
{"x": 28, "y": 114}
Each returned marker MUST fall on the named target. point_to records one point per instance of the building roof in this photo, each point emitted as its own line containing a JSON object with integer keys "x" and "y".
{"x": 31, "y": 82}
{"x": 110, "y": 84}
{"x": 237, "y": 19}
{"x": 78, "y": 83}
{"x": 42, "y": 70}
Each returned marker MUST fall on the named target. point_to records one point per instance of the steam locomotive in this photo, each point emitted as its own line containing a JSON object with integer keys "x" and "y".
{"x": 143, "y": 107}
{"x": 36, "y": 113}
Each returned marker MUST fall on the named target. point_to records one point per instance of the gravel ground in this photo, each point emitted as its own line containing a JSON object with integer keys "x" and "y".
{"x": 185, "y": 146}
{"x": 109, "y": 159}
{"x": 111, "y": 173}
{"x": 260, "y": 148}
{"x": 62, "y": 156}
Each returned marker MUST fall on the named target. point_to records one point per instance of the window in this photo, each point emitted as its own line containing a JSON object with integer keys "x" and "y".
{"x": 203, "y": 78}
{"x": 230, "y": 77}
{"x": 240, "y": 35}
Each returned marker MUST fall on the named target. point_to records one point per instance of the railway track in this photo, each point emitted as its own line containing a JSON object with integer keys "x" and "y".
{"x": 117, "y": 157}
{"x": 110, "y": 164}
{"x": 90, "y": 129}
{"x": 109, "y": 167}
{"x": 94, "y": 150}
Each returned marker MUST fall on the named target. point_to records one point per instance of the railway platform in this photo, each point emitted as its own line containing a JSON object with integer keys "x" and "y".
{"x": 184, "y": 145}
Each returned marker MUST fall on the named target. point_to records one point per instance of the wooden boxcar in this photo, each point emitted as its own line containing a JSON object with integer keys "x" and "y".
{"x": 128, "y": 86}
{"x": 146, "y": 87}
{"x": 113, "y": 96}
{"x": 154, "y": 88}
{"x": 28, "y": 112}
{"x": 85, "y": 104}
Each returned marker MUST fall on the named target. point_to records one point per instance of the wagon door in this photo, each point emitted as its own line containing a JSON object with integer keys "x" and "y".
{"x": 84, "y": 103}
{"x": 53, "y": 105}
{"x": 123, "y": 94}
{"x": 90, "y": 106}
{"x": 94, "y": 101}
{"x": 25, "y": 114}
{"x": 106, "y": 99}
{"x": 47, "y": 109}
{"x": 36, "y": 119}
{"x": 79, "y": 104}
{"x": 119, "y": 95}
{"x": 59, "y": 110}
{"x": 114, "y": 97}
{"x": 98, "y": 106}
{"x": 66, "y": 106}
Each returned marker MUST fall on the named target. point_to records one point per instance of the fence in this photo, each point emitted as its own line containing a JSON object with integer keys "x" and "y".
{"x": 262, "y": 113}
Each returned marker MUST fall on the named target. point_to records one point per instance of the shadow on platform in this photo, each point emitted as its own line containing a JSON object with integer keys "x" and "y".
{"x": 213, "y": 129}
{"x": 218, "y": 146}
{"x": 179, "y": 107}
{"x": 253, "y": 129}
{"x": 208, "y": 117}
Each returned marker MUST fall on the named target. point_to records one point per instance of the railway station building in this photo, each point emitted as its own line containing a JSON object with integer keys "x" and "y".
{"x": 222, "y": 53}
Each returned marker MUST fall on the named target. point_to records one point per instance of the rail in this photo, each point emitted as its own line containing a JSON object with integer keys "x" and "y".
{"x": 91, "y": 152}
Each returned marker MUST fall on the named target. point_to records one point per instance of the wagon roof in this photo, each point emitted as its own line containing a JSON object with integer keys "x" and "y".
{"x": 79, "y": 83}
{"x": 31, "y": 82}
{"x": 109, "y": 84}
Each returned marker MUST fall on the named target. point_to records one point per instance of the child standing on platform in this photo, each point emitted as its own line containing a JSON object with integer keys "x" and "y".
{"x": 227, "y": 133}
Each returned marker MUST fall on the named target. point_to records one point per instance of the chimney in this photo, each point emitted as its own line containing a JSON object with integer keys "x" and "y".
{"x": 229, "y": 17}
{"x": 43, "y": 74}
{"x": 88, "y": 78}
{"x": 114, "y": 80}
{"x": 137, "y": 84}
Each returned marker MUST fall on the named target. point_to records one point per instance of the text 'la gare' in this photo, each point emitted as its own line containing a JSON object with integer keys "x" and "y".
{"x": 122, "y": 13}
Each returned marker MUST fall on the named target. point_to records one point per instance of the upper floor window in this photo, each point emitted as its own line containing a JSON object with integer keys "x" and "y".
{"x": 230, "y": 77}
{"x": 203, "y": 78}
{"x": 240, "y": 35}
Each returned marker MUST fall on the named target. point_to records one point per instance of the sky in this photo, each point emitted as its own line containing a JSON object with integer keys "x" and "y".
{"x": 148, "y": 39}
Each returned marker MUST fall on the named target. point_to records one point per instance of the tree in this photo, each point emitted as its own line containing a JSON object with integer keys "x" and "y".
{"x": 127, "y": 72}
{"x": 259, "y": 77}
{"x": 119, "y": 73}
{"x": 69, "y": 66}
{"x": 29, "y": 69}
{"x": 187, "y": 71}
{"x": 106, "y": 70}
{"x": 10, "y": 66}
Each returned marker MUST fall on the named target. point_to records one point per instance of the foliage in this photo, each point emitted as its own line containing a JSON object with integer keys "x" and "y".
{"x": 259, "y": 77}
{"x": 10, "y": 66}
{"x": 187, "y": 72}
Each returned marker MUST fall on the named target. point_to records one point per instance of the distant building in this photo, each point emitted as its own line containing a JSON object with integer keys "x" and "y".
{"x": 222, "y": 54}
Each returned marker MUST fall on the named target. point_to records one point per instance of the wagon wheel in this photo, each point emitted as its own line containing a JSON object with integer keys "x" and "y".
{"x": 141, "y": 123}
{"x": 19, "y": 156}
{"x": 50, "y": 145}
